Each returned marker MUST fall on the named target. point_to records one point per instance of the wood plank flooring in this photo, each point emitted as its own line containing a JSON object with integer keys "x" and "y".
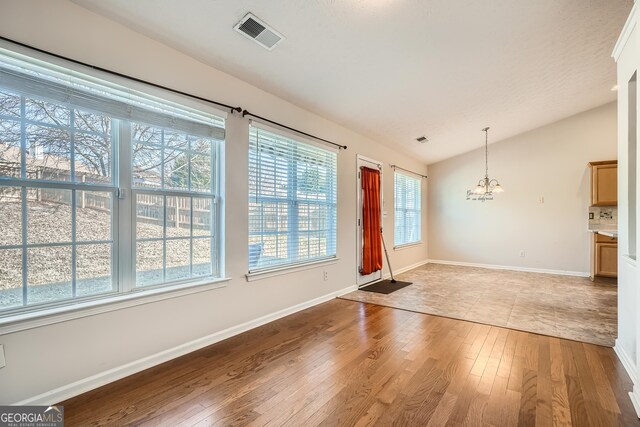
{"x": 345, "y": 363}
{"x": 568, "y": 307}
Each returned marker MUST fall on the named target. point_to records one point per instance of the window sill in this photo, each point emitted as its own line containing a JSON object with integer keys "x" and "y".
{"x": 35, "y": 319}
{"x": 407, "y": 245}
{"x": 259, "y": 275}
{"x": 630, "y": 260}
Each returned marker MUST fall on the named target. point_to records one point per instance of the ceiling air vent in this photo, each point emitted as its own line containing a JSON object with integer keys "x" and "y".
{"x": 422, "y": 139}
{"x": 257, "y": 30}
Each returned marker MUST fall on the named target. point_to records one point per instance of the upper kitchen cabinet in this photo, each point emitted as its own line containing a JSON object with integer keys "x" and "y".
{"x": 604, "y": 183}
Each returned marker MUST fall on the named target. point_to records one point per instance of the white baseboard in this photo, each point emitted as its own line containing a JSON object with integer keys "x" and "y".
{"x": 632, "y": 370}
{"x": 513, "y": 268}
{"x": 635, "y": 399}
{"x": 405, "y": 269}
{"x": 627, "y": 362}
{"x": 86, "y": 384}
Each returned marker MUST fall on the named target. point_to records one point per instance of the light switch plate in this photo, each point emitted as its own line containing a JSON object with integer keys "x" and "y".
{"x": 2, "y": 360}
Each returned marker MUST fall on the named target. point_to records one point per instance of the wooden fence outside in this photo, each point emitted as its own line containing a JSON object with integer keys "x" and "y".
{"x": 149, "y": 207}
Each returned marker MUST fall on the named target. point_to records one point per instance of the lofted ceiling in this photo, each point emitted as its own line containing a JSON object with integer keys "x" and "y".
{"x": 395, "y": 70}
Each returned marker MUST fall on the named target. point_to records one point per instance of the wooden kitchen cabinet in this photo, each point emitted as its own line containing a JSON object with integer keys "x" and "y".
{"x": 605, "y": 256}
{"x": 604, "y": 192}
{"x": 604, "y": 183}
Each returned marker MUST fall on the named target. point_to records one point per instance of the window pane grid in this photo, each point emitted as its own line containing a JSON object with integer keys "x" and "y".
{"x": 47, "y": 146}
{"x": 179, "y": 227}
{"x": 407, "y": 209}
{"x": 292, "y": 201}
{"x": 48, "y": 253}
{"x": 162, "y": 163}
{"x": 174, "y": 179}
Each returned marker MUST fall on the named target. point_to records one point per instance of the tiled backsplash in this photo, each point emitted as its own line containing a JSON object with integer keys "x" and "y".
{"x": 603, "y": 217}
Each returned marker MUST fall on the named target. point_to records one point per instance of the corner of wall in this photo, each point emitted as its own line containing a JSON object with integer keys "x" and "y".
{"x": 627, "y": 362}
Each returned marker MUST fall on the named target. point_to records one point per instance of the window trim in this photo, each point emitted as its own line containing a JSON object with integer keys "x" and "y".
{"x": 407, "y": 245}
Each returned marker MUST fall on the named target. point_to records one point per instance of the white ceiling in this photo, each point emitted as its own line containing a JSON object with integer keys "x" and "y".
{"x": 398, "y": 69}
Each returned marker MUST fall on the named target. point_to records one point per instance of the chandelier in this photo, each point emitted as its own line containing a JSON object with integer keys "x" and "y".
{"x": 487, "y": 186}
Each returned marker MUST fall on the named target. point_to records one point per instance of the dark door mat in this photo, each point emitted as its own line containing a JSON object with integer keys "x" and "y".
{"x": 385, "y": 286}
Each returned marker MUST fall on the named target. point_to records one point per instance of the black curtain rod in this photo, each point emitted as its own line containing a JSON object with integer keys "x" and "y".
{"x": 407, "y": 170}
{"x": 115, "y": 73}
{"x": 247, "y": 113}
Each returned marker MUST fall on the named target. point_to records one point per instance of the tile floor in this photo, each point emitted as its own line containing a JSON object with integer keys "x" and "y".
{"x": 561, "y": 306}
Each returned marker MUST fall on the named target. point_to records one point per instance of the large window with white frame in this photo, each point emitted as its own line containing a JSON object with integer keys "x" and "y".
{"x": 292, "y": 200}
{"x": 407, "y": 209}
{"x": 103, "y": 190}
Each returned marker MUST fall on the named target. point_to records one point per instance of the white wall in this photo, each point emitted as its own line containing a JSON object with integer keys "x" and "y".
{"x": 627, "y": 55}
{"x": 49, "y": 357}
{"x": 549, "y": 162}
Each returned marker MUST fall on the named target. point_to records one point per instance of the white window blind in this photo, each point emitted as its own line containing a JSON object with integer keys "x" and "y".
{"x": 292, "y": 201}
{"x": 28, "y": 76}
{"x": 406, "y": 191}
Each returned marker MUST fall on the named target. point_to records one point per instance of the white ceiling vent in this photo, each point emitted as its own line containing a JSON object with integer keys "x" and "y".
{"x": 257, "y": 30}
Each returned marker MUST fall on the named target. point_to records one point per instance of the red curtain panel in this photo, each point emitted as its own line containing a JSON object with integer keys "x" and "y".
{"x": 372, "y": 243}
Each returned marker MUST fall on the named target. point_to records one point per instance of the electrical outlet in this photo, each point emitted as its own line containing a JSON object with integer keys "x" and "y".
{"x": 521, "y": 254}
{"x": 325, "y": 275}
{"x": 3, "y": 362}
{"x": 541, "y": 199}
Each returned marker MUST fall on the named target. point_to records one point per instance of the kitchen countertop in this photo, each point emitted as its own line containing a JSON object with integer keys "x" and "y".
{"x": 608, "y": 233}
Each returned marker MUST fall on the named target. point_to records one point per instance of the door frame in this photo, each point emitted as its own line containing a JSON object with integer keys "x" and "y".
{"x": 369, "y": 162}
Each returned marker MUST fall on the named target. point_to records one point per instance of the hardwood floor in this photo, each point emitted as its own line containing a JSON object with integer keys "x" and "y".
{"x": 347, "y": 363}
{"x": 568, "y": 307}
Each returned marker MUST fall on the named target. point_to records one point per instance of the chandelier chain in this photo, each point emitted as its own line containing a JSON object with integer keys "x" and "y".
{"x": 486, "y": 152}
{"x": 487, "y": 186}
